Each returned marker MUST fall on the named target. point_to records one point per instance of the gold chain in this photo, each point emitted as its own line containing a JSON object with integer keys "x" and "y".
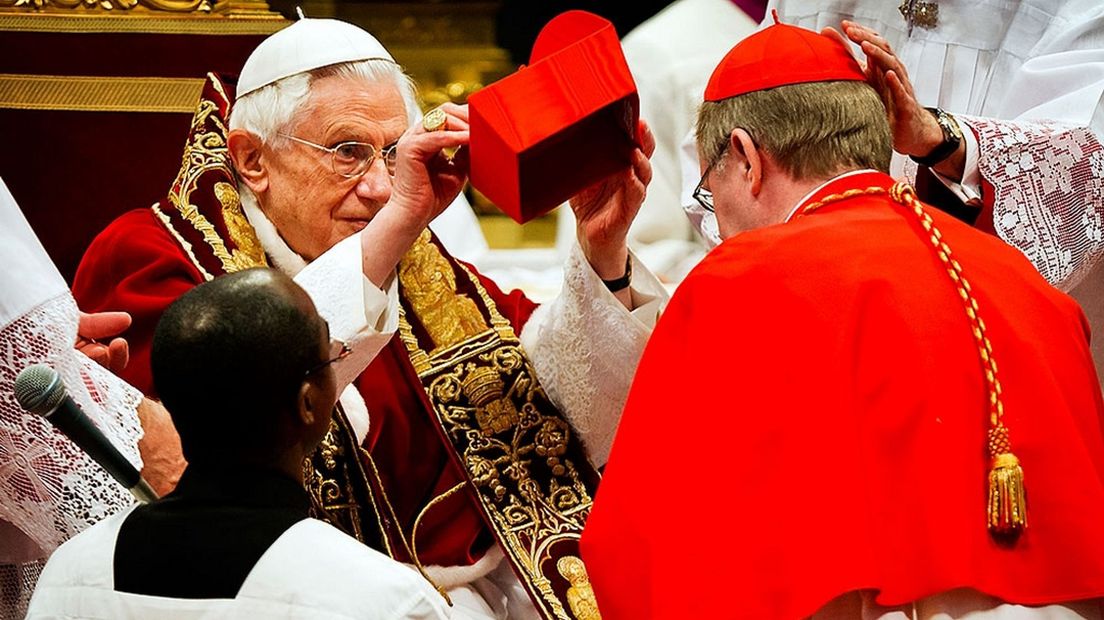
{"x": 1007, "y": 507}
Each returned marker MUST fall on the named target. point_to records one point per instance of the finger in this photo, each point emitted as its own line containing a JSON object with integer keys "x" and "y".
{"x": 645, "y": 138}
{"x": 835, "y": 35}
{"x": 642, "y": 167}
{"x": 886, "y": 62}
{"x": 118, "y": 355}
{"x": 102, "y": 324}
{"x": 456, "y": 110}
{"x": 858, "y": 32}
{"x": 424, "y": 146}
{"x": 903, "y": 98}
{"x": 96, "y": 352}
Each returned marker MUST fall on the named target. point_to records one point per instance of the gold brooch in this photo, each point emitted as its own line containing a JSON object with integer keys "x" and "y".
{"x": 923, "y": 14}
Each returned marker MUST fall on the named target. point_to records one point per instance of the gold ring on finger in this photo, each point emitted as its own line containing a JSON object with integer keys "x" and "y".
{"x": 434, "y": 120}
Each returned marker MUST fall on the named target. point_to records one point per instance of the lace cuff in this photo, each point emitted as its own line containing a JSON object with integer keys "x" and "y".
{"x": 585, "y": 347}
{"x": 49, "y": 488}
{"x": 1048, "y": 192}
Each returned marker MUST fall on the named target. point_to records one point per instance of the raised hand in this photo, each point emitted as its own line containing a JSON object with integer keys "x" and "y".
{"x": 426, "y": 179}
{"x": 604, "y": 211}
{"x": 915, "y": 130}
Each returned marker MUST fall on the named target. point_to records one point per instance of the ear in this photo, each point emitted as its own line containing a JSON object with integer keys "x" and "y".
{"x": 308, "y": 404}
{"x": 752, "y": 158}
{"x": 247, "y": 155}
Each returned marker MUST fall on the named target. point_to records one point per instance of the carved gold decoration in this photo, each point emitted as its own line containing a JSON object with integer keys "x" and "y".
{"x": 98, "y": 94}
{"x": 510, "y": 438}
{"x": 204, "y": 152}
{"x": 176, "y": 6}
{"x": 580, "y": 596}
{"x": 259, "y": 21}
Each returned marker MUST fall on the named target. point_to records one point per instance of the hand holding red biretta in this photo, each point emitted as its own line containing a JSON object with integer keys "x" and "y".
{"x": 559, "y": 125}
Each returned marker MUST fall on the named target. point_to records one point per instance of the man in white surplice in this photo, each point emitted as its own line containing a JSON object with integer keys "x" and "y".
{"x": 1024, "y": 81}
{"x": 338, "y": 179}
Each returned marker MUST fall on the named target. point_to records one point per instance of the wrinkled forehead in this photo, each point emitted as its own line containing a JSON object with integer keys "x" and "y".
{"x": 377, "y": 102}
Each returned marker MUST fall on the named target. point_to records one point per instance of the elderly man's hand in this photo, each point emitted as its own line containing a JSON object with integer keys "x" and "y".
{"x": 605, "y": 210}
{"x": 426, "y": 179}
{"x": 91, "y": 328}
{"x": 915, "y": 131}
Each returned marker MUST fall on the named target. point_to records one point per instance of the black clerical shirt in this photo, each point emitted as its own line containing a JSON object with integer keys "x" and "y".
{"x": 202, "y": 540}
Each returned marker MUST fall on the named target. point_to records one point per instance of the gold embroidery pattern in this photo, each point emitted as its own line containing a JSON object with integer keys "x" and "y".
{"x": 511, "y": 440}
{"x": 206, "y": 151}
{"x": 241, "y": 231}
{"x": 431, "y": 290}
{"x": 339, "y": 489}
{"x": 187, "y": 247}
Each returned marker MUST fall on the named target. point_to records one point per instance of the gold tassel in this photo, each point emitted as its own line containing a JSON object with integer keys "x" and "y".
{"x": 1007, "y": 501}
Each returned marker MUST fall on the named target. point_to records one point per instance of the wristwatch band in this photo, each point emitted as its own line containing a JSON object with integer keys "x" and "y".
{"x": 952, "y": 137}
{"x": 623, "y": 282}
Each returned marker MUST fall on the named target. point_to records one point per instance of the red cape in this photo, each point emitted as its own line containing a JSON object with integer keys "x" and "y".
{"x": 809, "y": 419}
{"x": 135, "y": 265}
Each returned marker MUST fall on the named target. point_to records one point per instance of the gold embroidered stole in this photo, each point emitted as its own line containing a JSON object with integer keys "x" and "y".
{"x": 525, "y": 465}
{"x": 205, "y": 218}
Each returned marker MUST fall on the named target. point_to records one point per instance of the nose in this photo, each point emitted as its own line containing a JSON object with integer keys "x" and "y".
{"x": 375, "y": 183}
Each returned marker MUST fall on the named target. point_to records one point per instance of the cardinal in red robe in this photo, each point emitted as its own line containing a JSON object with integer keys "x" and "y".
{"x": 856, "y": 406}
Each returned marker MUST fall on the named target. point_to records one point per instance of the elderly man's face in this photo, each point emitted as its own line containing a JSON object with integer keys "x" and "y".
{"x": 312, "y": 206}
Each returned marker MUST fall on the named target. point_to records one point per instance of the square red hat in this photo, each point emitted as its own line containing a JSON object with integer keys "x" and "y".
{"x": 551, "y": 129}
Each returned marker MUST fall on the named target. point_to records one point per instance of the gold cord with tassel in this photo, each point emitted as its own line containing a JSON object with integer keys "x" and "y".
{"x": 1007, "y": 501}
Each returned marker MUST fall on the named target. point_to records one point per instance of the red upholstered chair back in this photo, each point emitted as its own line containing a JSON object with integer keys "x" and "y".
{"x": 95, "y": 119}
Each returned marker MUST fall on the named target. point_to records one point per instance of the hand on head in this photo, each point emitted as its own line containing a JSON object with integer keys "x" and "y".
{"x": 91, "y": 328}
{"x": 915, "y": 131}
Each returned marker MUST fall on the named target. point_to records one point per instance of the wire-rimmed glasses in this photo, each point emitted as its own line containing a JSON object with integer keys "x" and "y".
{"x": 352, "y": 159}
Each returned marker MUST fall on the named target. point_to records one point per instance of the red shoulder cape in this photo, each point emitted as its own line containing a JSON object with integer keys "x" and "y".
{"x": 809, "y": 420}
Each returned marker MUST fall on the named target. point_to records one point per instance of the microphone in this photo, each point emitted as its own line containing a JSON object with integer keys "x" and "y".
{"x": 39, "y": 390}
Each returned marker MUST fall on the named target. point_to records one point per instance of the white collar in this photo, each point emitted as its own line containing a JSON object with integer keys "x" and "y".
{"x": 820, "y": 187}
{"x": 283, "y": 257}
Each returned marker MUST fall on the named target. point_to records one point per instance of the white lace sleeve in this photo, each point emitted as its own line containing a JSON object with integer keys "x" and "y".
{"x": 585, "y": 347}
{"x": 1048, "y": 192}
{"x": 49, "y": 488}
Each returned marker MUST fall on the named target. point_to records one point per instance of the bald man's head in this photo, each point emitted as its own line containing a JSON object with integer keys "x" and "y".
{"x": 229, "y": 360}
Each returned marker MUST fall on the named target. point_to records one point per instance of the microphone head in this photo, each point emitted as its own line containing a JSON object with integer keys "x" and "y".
{"x": 39, "y": 390}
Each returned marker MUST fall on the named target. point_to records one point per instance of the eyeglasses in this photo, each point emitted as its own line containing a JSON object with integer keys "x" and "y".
{"x": 352, "y": 159}
{"x": 702, "y": 195}
{"x": 338, "y": 351}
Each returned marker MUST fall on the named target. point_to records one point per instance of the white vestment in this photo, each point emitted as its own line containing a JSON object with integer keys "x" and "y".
{"x": 954, "y": 605}
{"x": 312, "y": 572}
{"x": 584, "y": 345}
{"x": 671, "y": 56}
{"x": 1028, "y": 77}
{"x": 49, "y": 488}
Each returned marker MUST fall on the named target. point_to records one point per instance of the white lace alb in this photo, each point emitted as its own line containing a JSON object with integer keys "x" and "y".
{"x": 49, "y": 488}
{"x": 1048, "y": 193}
